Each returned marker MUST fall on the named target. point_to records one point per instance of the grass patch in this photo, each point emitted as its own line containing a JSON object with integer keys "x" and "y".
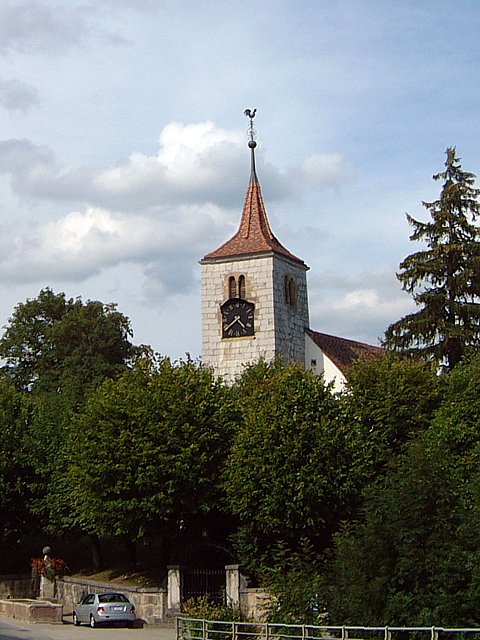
{"x": 118, "y": 576}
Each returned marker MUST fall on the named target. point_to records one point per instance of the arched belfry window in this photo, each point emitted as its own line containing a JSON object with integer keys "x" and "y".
{"x": 237, "y": 287}
{"x": 290, "y": 291}
{"x": 232, "y": 287}
{"x": 241, "y": 286}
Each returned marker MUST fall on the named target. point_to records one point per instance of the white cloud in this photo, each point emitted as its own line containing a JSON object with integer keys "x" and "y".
{"x": 160, "y": 212}
{"x": 195, "y": 164}
{"x": 54, "y": 26}
{"x": 157, "y": 211}
{"x": 134, "y": 5}
{"x": 20, "y": 157}
{"x": 85, "y": 170}
{"x": 359, "y": 307}
{"x": 31, "y": 168}
{"x": 354, "y": 300}
{"x": 31, "y": 26}
{"x": 17, "y": 96}
{"x": 326, "y": 169}
{"x": 81, "y": 244}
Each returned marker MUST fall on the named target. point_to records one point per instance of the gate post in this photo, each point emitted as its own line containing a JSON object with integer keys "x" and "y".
{"x": 174, "y": 587}
{"x": 232, "y": 584}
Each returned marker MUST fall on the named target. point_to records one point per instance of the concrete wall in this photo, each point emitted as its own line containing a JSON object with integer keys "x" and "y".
{"x": 150, "y": 604}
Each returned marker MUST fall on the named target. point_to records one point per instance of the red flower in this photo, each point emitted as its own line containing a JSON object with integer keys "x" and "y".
{"x": 53, "y": 567}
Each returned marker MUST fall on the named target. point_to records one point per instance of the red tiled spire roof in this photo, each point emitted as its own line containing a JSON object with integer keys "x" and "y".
{"x": 254, "y": 235}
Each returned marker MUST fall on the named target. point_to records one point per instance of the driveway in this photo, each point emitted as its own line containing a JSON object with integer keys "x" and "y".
{"x": 11, "y": 629}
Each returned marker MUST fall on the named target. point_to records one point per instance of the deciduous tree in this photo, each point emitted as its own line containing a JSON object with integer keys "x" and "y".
{"x": 18, "y": 474}
{"x": 54, "y": 344}
{"x": 412, "y": 556}
{"x": 146, "y": 453}
{"x": 413, "y": 559}
{"x": 391, "y": 400}
{"x": 294, "y": 470}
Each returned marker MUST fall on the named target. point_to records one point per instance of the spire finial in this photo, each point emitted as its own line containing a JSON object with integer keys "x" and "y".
{"x": 250, "y": 113}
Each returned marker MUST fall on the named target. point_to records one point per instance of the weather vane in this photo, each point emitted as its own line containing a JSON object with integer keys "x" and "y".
{"x": 250, "y": 113}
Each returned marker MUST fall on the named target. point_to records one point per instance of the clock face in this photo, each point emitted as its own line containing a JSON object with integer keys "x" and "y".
{"x": 237, "y": 318}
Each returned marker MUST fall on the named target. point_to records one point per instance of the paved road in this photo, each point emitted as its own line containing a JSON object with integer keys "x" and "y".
{"x": 11, "y": 629}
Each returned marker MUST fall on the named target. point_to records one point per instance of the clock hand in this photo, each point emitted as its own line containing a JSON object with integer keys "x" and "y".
{"x": 240, "y": 322}
{"x": 236, "y": 319}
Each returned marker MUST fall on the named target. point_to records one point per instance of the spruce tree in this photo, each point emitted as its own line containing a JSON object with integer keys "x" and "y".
{"x": 444, "y": 279}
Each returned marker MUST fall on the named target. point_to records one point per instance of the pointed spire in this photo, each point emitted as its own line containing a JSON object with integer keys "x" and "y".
{"x": 254, "y": 235}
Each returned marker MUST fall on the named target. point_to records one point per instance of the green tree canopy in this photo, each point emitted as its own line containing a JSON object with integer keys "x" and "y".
{"x": 18, "y": 474}
{"x": 294, "y": 470}
{"x": 391, "y": 400}
{"x": 411, "y": 560}
{"x": 412, "y": 556}
{"x": 457, "y": 422}
{"x": 56, "y": 344}
{"x": 146, "y": 454}
{"x": 444, "y": 279}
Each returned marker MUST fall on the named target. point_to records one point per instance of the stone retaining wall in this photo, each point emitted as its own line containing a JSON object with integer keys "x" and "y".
{"x": 20, "y": 586}
{"x": 254, "y": 604}
{"x": 32, "y": 611}
{"x": 150, "y": 604}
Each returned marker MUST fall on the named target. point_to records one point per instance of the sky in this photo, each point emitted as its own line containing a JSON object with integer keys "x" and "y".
{"x": 124, "y": 157}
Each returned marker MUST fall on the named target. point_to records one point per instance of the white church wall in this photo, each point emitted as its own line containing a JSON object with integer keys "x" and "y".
{"x": 319, "y": 363}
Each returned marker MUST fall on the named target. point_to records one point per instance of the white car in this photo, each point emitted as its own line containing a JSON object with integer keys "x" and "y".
{"x": 102, "y": 608}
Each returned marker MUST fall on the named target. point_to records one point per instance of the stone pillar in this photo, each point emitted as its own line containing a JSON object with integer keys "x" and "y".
{"x": 47, "y": 588}
{"x": 47, "y": 581}
{"x": 174, "y": 588}
{"x": 233, "y": 584}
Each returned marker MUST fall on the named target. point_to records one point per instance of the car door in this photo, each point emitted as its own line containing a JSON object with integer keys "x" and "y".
{"x": 85, "y": 608}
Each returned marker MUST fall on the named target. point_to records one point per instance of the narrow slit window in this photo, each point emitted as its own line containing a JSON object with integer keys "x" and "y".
{"x": 286, "y": 285}
{"x": 291, "y": 291}
{"x": 232, "y": 287}
{"x": 241, "y": 287}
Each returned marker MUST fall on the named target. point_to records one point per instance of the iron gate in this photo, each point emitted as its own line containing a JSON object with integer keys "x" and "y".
{"x": 208, "y": 583}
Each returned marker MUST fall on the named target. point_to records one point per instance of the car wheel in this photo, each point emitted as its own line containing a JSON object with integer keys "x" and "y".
{"x": 129, "y": 624}
{"x": 93, "y": 623}
{"x": 76, "y": 621}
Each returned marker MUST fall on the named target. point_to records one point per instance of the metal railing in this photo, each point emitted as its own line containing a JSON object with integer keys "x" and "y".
{"x": 196, "y": 629}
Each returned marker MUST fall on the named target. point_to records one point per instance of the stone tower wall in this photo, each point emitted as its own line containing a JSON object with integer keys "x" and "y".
{"x": 279, "y": 328}
{"x": 290, "y": 321}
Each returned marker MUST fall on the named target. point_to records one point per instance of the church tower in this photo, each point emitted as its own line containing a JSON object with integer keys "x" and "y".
{"x": 254, "y": 292}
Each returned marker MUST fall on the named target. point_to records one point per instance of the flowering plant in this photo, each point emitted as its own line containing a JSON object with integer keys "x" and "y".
{"x": 49, "y": 567}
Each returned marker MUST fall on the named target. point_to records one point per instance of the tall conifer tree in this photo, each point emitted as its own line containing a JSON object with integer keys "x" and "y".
{"x": 444, "y": 279}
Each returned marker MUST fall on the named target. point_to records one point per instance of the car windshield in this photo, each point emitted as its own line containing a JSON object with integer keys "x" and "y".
{"x": 112, "y": 597}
